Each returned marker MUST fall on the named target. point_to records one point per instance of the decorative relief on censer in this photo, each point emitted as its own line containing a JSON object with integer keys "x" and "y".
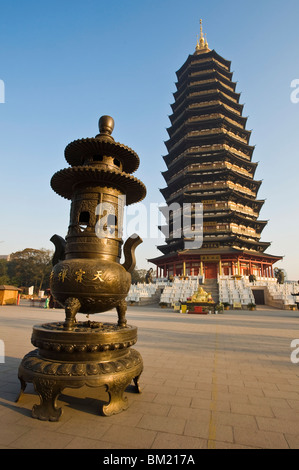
{"x": 88, "y": 278}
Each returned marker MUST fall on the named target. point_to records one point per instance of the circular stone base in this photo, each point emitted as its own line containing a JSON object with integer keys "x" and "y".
{"x": 100, "y": 357}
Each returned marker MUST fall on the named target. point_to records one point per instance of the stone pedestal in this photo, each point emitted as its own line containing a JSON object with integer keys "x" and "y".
{"x": 92, "y": 354}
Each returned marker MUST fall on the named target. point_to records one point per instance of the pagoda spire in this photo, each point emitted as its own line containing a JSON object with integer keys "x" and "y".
{"x": 202, "y": 44}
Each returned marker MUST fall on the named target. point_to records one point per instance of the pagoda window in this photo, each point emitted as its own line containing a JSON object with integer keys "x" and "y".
{"x": 84, "y": 220}
{"x": 111, "y": 224}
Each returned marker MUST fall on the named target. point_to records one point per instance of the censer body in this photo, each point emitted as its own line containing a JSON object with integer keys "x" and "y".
{"x": 87, "y": 277}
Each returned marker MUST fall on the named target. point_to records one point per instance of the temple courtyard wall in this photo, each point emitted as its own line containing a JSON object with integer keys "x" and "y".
{"x": 210, "y": 381}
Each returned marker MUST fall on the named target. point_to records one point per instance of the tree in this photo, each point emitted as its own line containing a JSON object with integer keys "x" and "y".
{"x": 138, "y": 275}
{"x": 280, "y": 275}
{"x": 30, "y": 267}
{"x": 4, "y": 277}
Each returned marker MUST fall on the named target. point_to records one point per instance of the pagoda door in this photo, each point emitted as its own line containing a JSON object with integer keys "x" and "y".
{"x": 211, "y": 270}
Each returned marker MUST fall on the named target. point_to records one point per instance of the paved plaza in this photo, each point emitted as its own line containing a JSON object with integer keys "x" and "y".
{"x": 209, "y": 382}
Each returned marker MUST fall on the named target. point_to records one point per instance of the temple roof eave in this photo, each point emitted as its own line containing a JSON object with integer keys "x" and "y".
{"x": 222, "y": 120}
{"x": 203, "y": 139}
{"x": 210, "y": 53}
{"x": 191, "y": 178}
{"x": 192, "y": 158}
{"x": 212, "y": 108}
{"x": 221, "y": 251}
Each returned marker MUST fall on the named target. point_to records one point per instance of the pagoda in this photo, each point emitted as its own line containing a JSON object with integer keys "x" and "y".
{"x": 209, "y": 164}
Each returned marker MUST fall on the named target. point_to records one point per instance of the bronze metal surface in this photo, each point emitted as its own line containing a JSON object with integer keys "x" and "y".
{"x": 88, "y": 278}
{"x": 101, "y": 356}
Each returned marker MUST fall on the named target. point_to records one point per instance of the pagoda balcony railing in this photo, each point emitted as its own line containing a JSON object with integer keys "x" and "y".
{"x": 214, "y": 206}
{"x": 210, "y": 188}
{"x": 212, "y": 80}
{"x": 206, "y": 168}
{"x": 204, "y": 82}
{"x": 211, "y": 91}
{"x": 214, "y": 66}
{"x": 218, "y": 130}
{"x": 205, "y": 72}
{"x": 214, "y": 229}
{"x": 248, "y": 233}
{"x": 213, "y": 103}
{"x": 210, "y": 231}
{"x": 229, "y": 228}
{"x": 226, "y": 211}
{"x": 210, "y": 59}
{"x": 219, "y": 166}
{"x": 214, "y": 131}
{"x": 204, "y": 148}
{"x": 217, "y": 209}
{"x": 207, "y": 150}
{"x": 193, "y": 119}
{"x": 204, "y": 104}
{"x": 206, "y": 117}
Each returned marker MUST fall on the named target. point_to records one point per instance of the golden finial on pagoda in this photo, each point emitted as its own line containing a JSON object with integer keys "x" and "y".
{"x": 202, "y": 43}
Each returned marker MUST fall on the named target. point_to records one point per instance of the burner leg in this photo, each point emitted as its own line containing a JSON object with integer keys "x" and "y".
{"x": 117, "y": 402}
{"x": 48, "y": 392}
{"x": 121, "y": 311}
{"x": 72, "y": 307}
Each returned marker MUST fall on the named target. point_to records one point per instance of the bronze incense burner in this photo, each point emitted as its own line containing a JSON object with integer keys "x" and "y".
{"x": 87, "y": 278}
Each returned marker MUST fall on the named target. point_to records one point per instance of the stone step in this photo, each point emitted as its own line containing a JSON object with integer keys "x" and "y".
{"x": 211, "y": 285}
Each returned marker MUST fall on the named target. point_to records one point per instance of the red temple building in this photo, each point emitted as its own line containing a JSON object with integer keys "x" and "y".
{"x": 209, "y": 161}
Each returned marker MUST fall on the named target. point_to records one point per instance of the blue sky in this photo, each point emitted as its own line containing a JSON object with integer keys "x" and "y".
{"x": 65, "y": 63}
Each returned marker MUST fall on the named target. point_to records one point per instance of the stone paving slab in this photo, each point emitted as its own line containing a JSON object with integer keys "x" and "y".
{"x": 209, "y": 382}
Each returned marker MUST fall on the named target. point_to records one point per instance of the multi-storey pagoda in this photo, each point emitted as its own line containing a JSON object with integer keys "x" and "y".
{"x": 209, "y": 161}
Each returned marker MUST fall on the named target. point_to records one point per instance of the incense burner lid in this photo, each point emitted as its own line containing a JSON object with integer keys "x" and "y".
{"x": 65, "y": 181}
{"x": 82, "y": 150}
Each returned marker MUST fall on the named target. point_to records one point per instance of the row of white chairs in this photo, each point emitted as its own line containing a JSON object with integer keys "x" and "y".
{"x": 234, "y": 291}
{"x": 141, "y": 291}
{"x": 230, "y": 288}
{"x": 284, "y": 292}
{"x": 179, "y": 291}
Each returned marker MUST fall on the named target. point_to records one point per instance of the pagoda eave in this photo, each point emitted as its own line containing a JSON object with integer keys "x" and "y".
{"x": 224, "y": 253}
{"x": 211, "y": 53}
{"x": 212, "y": 109}
{"x": 223, "y": 155}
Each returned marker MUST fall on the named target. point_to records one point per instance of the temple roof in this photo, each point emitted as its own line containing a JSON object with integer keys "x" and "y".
{"x": 207, "y": 55}
{"x": 159, "y": 260}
